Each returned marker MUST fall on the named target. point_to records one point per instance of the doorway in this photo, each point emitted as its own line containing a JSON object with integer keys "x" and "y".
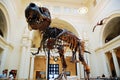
{"x": 111, "y": 64}
{"x": 53, "y": 71}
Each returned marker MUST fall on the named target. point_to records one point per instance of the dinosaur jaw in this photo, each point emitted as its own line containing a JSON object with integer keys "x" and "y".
{"x": 37, "y": 17}
{"x": 33, "y": 16}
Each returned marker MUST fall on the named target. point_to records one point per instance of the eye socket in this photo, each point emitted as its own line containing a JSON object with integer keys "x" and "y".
{"x": 27, "y": 15}
{"x": 27, "y": 12}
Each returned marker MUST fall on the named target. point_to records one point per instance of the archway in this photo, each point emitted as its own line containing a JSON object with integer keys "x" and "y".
{"x": 55, "y": 23}
{"x": 3, "y": 35}
{"x": 3, "y": 25}
{"x": 111, "y": 29}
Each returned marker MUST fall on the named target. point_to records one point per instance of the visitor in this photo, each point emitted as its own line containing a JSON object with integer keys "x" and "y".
{"x": 103, "y": 75}
{"x": 11, "y": 77}
{"x": 3, "y": 75}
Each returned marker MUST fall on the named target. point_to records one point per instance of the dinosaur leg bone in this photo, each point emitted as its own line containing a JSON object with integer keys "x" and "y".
{"x": 87, "y": 68}
{"x": 64, "y": 65}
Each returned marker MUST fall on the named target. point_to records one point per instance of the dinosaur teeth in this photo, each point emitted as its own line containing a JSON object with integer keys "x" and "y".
{"x": 37, "y": 22}
{"x": 29, "y": 27}
{"x": 30, "y": 19}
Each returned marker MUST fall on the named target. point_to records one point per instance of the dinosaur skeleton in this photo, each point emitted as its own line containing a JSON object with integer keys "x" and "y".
{"x": 99, "y": 23}
{"x": 39, "y": 18}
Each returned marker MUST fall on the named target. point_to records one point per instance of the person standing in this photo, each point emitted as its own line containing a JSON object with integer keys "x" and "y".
{"x": 11, "y": 77}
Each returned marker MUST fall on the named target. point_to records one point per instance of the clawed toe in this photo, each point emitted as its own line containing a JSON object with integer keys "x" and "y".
{"x": 60, "y": 77}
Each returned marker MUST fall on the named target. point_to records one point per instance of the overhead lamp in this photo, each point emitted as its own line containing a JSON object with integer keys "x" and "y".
{"x": 83, "y": 10}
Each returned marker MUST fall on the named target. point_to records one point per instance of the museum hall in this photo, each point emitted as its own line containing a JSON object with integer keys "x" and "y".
{"x": 59, "y": 39}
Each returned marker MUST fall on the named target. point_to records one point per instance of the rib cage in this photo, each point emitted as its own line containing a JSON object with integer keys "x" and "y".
{"x": 55, "y": 37}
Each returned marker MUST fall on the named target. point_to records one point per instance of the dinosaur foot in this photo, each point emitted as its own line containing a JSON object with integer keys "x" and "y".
{"x": 87, "y": 73}
{"x": 62, "y": 76}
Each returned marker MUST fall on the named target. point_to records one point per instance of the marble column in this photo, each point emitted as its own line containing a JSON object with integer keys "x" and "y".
{"x": 106, "y": 65}
{"x": 117, "y": 69}
{"x": 31, "y": 68}
{"x": 78, "y": 70}
{"x": 22, "y": 64}
{"x": 81, "y": 70}
{"x": 25, "y": 59}
{"x": 78, "y": 67}
{"x": 3, "y": 54}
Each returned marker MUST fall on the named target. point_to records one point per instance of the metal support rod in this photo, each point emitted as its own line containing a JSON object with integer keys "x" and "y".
{"x": 48, "y": 62}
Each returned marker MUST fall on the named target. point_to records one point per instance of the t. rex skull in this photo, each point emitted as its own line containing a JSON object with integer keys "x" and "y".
{"x": 37, "y": 17}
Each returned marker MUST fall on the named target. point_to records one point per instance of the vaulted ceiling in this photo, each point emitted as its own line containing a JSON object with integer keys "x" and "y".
{"x": 75, "y": 2}
{"x": 69, "y": 1}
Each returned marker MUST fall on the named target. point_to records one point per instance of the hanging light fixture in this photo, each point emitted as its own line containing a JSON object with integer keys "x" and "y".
{"x": 83, "y": 10}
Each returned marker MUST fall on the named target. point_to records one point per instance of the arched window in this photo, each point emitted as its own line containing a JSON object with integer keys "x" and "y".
{"x": 3, "y": 25}
{"x": 112, "y": 29}
{"x": 1, "y": 33}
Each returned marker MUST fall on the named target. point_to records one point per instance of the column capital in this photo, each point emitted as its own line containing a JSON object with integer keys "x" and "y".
{"x": 113, "y": 51}
{"x": 32, "y": 56}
